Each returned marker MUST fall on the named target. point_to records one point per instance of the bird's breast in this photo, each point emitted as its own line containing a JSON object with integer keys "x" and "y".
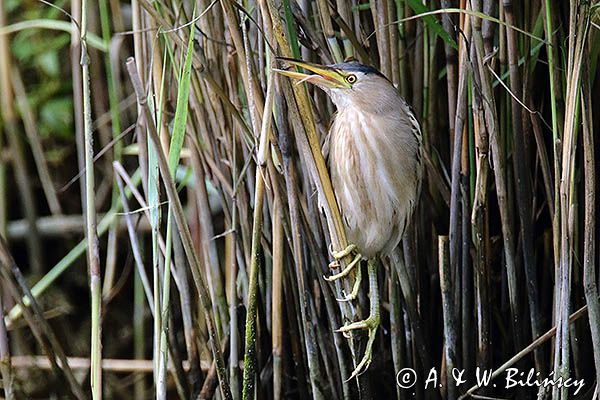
{"x": 375, "y": 171}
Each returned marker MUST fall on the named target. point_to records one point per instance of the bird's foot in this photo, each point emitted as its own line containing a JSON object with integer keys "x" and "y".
{"x": 355, "y": 288}
{"x": 343, "y": 253}
{"x": 371, "y": 324}
{"x": 338, "y": 255}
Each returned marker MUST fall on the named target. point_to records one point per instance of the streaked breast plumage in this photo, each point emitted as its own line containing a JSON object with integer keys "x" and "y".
{"x": 375, "y": 166}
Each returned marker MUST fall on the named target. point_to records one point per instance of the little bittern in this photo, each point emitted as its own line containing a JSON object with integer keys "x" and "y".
{"x": 375, "y": 165}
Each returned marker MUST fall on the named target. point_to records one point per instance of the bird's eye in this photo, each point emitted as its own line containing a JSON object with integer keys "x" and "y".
{"x": 351, "y": 79}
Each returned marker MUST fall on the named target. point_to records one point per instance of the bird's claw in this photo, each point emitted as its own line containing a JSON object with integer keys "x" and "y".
{"x": 355, "y": 288}
{"x": 335, "y": 264}
{"x": 355, "y": 261}
{"x": 371, "y": 323}
{"x": 330, "y": 249}
{"x": 342, "y": 253}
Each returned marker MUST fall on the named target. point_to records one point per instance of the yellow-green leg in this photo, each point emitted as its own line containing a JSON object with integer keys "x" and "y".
{"x": 371, "y": 323}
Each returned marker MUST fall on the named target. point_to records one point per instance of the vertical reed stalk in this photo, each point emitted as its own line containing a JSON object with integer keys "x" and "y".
{"x": 277, "y": 300}
{"x": 451, "y": 67}
{"x": 396, "y": 335}
{"x": 589, "y": 229}
{"x": 577, "y": 43}
{"x": 139, "y": 334}
{"x": 138, "y": 52}
{"x": 75, "y": 53}
{"x": 328, "y": 31}
{"x": 402, "y": 62}
{"x": 522, "y": 177}
{"x": 483, "y": 124}
{"x": 5, "y": 362}
{"x": 262, "y": 155}
{"x": 113, "y": 104}
{"x": 450, "y": 331}
{"x": 233, "y": 278}
{"x": 500, "y": 177}
{"x": 90, "y": 210}
{"x": 4, "y": 52}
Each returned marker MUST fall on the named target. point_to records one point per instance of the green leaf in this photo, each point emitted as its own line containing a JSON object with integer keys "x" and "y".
{"x": 419, "y": 8}
{"x": 92, "y": 40}
{"x": 473, "y": 14}
{"x": 49, "y": 63}
{"x": 291, "y": 28}
{"x": 30, "y": 44}
{"x": 153, "y": 178}
{"x": 56, "y": 117}
{"x": 181, "y": 110}
{"x": 361, "y": 7}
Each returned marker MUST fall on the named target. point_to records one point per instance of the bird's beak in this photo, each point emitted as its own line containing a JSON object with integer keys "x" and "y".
{"x": 322, "y": 75}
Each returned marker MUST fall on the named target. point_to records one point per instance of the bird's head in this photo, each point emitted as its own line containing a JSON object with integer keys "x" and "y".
{"x": 347, "y": 84}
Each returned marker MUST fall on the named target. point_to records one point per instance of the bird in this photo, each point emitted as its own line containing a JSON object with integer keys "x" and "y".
{"x": 375, "y": 165}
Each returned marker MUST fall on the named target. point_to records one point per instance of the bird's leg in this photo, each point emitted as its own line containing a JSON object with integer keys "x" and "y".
{"x": 371, "y": 323}
{"x": 339, "y": 255}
